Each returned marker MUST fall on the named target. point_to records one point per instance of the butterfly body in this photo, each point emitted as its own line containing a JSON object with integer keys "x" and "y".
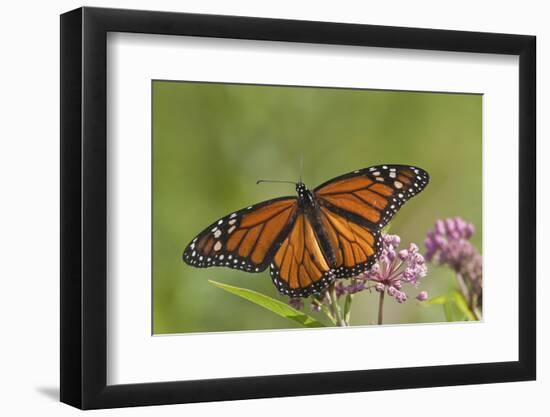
{"x": 308, "y": 241}
{"x": 311, "y": 208}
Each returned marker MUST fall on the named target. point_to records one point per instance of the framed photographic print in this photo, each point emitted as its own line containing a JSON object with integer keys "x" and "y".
{"x": 258, "y": 207}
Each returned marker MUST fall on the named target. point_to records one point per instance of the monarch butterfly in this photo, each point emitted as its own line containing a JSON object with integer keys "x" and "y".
{"x": 313, "y": 239}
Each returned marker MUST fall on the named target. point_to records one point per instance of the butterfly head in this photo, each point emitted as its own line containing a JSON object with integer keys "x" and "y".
{"x": 301, "y": 189}
{"x": 304, "y": 195}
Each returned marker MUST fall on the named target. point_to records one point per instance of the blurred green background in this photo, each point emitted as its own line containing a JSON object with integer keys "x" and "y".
{"x": 211, "y": 142}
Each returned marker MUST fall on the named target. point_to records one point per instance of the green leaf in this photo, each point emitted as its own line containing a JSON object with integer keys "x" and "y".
{"x": 440, "y": 299}
{"x": 462, "y": 305}
{"x": 454, "y": 305}
{"x": 275, "y": 306}
{"x": 445, "y": 301}
{"x": 448, "y": 310}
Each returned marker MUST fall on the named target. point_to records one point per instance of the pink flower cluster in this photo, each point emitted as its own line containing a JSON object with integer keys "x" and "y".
{"x": 397, "y": 267}
{"x": 449, "y": 244}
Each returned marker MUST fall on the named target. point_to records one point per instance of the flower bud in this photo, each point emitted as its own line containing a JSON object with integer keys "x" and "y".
{"x": 450, "y": 225}
{"x": 460, "y": 225}
{"x": 396, "y": 241}
{"x": 418, "y": 259}
{"x": 403, "y": 254}
{"x": 422, "y": 296}
{"x": 413, "y": 248}
{"x": 408, "y": 274}
{"x": 440, "y": 241}
{"x": 440, "y": 227}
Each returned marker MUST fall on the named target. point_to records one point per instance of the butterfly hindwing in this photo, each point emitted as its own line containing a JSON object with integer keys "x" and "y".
{"x": 245, "y": 239}
{"x": 299, "y": 267}
{"x": 355, "y": 246}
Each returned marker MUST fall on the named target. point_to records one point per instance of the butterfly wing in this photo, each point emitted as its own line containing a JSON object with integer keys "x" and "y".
{"x": 300, "y": 267}
{"x": 355, "y": 246}
{"x": 372, "y": 196}
{"x": 356, "y": 206}
{"x": 246, "y": 239}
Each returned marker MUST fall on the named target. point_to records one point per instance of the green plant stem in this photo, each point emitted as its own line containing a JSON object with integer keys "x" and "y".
{"x": 381, "y": 307}
{"x": 466, "y": 293}
{"x": 325, "y": 310}
{"x": 347, "y": 309}
{"x": 462, "y": 286}
{"x": 335, "y": 306}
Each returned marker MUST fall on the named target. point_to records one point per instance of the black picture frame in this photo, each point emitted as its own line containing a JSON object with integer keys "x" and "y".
{"x": 84, "y": 207}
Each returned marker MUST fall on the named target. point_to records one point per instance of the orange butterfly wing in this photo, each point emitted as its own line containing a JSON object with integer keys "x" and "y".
{"x": 356, "y": 246}
{"x": 246, "y": 239}
{"x": 300, "y": 267}
{"x": 372, "y": 196}
{"x": 354, "y": 208}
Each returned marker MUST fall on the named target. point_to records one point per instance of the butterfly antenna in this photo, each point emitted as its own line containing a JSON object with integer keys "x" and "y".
{"x": 276, "y": 181}
{"x": 301, "y": 165}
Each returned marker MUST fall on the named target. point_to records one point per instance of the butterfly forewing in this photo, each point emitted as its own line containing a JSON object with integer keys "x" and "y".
{"x": 372, "y": 196}
{"x": 245, "y": 239}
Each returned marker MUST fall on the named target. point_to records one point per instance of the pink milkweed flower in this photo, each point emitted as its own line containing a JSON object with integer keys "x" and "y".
{"x": 449, "y": 244}
{"x": 395, "y": 268}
